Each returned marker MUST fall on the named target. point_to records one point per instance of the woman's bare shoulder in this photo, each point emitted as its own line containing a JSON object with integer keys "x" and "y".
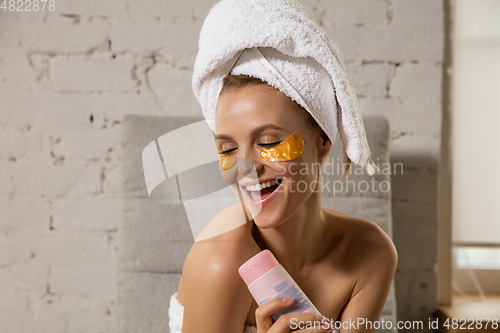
{"x": 215, "y": 260}
{"x": 362, "y": 238}
{"x": 221, "y": 253}
{"x": 211, "y": 288}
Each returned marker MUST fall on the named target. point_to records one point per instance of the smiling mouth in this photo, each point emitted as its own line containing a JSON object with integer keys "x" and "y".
{"x": 264, "y": 189}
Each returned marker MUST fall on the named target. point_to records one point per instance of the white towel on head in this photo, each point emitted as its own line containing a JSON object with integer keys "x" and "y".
{"x": 279, "y": 42}
{"x": 278, "y": 70}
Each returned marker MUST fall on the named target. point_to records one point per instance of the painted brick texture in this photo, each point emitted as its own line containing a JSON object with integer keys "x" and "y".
{"x": 68, "y": 77}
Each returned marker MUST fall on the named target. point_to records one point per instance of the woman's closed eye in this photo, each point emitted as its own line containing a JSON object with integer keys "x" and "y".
{"x": 269, "y": 145}
{"x": 225, "y": 152}
{"x": 263, "y": 145}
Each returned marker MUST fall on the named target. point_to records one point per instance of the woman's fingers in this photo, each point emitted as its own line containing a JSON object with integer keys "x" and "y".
{"x": 264, "y": 312}
{"x": 302, "y": 322}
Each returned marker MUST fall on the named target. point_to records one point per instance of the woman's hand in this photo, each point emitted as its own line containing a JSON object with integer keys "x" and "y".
{"x": 288, "y": 321}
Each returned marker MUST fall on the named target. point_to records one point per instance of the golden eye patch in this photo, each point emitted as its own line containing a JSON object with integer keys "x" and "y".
{"x": 288, "y": 150}
{"x": 226, "y": 161}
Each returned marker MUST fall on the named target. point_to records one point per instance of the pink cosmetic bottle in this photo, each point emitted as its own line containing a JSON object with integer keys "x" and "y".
{"x": 267, "y": 279}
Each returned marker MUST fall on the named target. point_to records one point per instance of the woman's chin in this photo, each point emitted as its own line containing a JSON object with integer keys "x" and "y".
{"x": 266, "y": 222}
{"x": 265, "y": 226}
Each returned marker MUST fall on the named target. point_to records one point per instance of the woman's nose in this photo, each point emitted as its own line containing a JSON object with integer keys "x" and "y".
{"x": 245, "y": 165}
{"x": 248, "y": 161}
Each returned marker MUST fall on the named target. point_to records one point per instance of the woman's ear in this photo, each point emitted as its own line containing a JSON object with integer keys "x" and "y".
{"x": 324, "y": 144}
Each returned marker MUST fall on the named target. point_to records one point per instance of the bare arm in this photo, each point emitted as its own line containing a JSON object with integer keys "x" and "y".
{"x": 372, "y": 288}
{"x": 215, "y": 297}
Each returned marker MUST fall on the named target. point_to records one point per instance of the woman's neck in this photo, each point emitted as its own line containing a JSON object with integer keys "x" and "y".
{"x": 300, "y": 240}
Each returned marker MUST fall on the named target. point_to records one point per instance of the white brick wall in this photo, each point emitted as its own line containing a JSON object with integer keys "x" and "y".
{"x": 67, "y": 78}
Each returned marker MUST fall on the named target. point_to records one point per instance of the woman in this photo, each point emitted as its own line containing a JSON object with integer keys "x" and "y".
{"x": 344, "y": 264}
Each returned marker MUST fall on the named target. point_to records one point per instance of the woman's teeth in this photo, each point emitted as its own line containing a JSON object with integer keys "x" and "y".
{"x": 263, "y": 185}
{"x": 262, "y": 190}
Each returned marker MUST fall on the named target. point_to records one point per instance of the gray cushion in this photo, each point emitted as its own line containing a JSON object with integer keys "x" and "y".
{"x": 154, "y": 238}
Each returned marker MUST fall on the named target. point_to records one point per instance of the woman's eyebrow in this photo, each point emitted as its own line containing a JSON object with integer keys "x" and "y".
{"x": 266, "y": 127}
{"x": 255, "y": 131}
{"x": 223, "y": 137}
